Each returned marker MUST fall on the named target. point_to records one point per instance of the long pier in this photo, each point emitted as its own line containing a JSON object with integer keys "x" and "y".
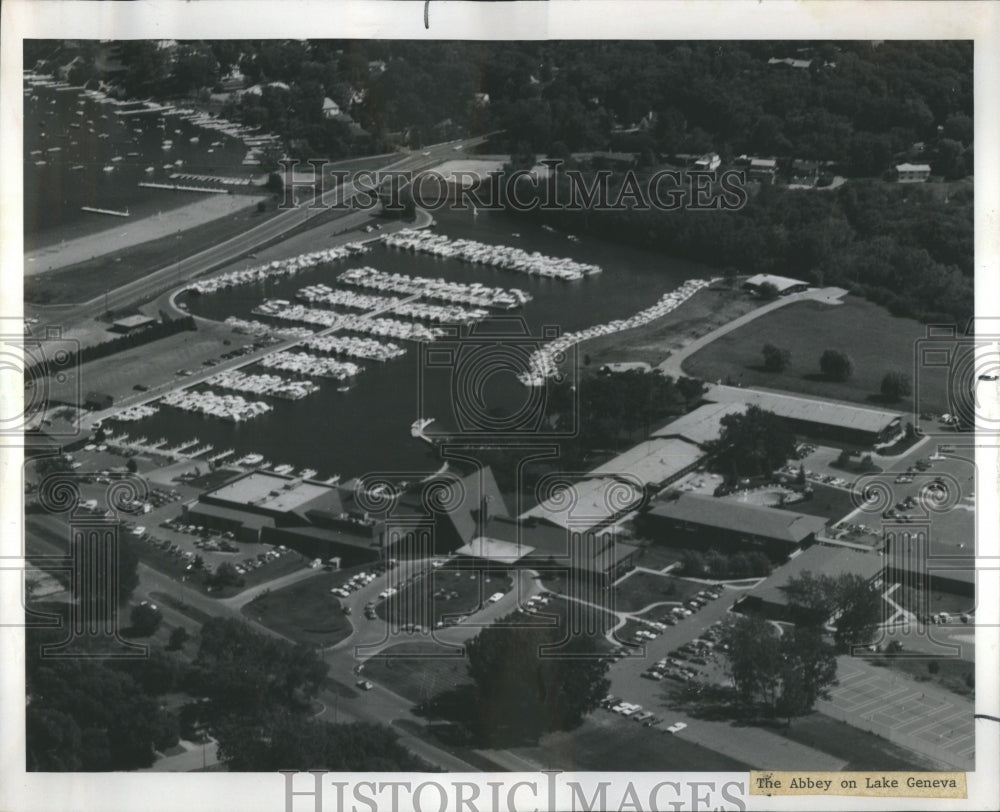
{"x": 112, "y": 212}
{"x": 176, "y": 187}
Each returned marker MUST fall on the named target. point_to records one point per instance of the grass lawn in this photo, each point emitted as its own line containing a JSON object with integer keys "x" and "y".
{"x": 440, "y": 594}
{"x": 827, "y": 503}
{"x": 951, "y": 673}
{"x": 641, "y": 589}
{"x": 181, "y": 606}
{"x": 607, "y": 743}
{"x": 874, "y": 339}
{"x": 653, "y": 342}
{"x": 417, "y": 677}
{"x": 657, "y": 556}
{"x": 861, "y": 749}
{"x": 306, "y": 612}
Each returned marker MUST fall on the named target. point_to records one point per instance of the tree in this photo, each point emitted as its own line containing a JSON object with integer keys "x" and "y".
{"x": 178, "y": 637}
{"x": 131, "y": 466}
{"x": 754, "y": 443}
{"x": 836, "y": 365}
{"x": 754, "y": 660}
{"x": 860, "y": 610}
{"x": 225, "y": 575}
{"x": 146, "y": 619}
{"x": 895, "y": 385}
{"x": 528, "y": 691}
{"x": 768, "y": 291}
{"x": 809, "y": 669}
{"x": 776, "y": 359}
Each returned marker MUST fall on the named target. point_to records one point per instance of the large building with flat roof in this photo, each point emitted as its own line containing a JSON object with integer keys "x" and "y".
{"x": 770, "y": 598}
{"x": 655, "y": 463}
{"x": 697, "y": 521}
{"x": 783, "y": 284}
{"x": 588, "y": 503}
{"x": 701, "y": 425}
{"x": 828, "y": 419}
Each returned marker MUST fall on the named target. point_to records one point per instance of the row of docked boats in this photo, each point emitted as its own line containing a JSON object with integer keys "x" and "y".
{"x": 321, "y": 294}
{"x": 270, "y": 385}
{"x": 133, "y": 414}
{"x": 386, "y": 328}
{"x": 543, "y": 362}
{"x": 276, "y": 268}
{"x": 231, "y": 408}
{"x": 259, "y": 329}
{"x": 365, "y": 349}
{"x": 497, "y": 256}
{"x": 302, "y": 363}
{"x": 475, "y": 294}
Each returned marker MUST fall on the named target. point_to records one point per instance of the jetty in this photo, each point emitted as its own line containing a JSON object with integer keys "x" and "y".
{"x": 112, "y": 212}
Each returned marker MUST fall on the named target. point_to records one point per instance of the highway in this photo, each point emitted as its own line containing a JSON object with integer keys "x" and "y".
{"x": 229, "y": 250}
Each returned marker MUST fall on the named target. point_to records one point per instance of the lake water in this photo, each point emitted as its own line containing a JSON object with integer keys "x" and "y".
{"x": 70, "y": 139}
{"x": 367, "y": 429}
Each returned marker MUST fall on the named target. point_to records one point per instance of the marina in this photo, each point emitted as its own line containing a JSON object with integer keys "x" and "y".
{"x": 365, "y": 349}
{"x": 498, "y": 256}
{"x": 276, "y": 268}
{"x": 387, "y": 328}
{"x": 270, "y": 385}
{"x": 303, "y": 363}
{"x": 230, "y": 408}
{"x": 439, "y": 289}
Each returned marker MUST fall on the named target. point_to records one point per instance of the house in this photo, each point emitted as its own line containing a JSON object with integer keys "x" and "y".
{"x": 799, "y": 64}
{"x": 130, "y": 323}
{"x": 804, "y": 173}
{"x": 762, "y": 170}
{"x": 783, "y": 284}
{"x": 912, "y": 173}
{"x": 709, "y": 162}
{"x": 771, "y": 599}
{"x": 697, "y": 521}
{"x": 330, "y": 108}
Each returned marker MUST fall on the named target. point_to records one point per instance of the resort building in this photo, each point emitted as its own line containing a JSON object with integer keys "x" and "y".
{"x": 783, "y": 284}
{"x": 912, "y": 173}
{"x": 589, "y": 504}
{"x": 705, "y": 522}
{"x": 771, "y": 601}
{"x": 820, "y": 419}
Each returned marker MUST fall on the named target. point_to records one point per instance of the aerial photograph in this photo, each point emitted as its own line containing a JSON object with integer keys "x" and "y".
{"x": 499, "y": 406}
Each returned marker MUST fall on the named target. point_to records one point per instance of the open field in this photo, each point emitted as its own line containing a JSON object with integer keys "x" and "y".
{"x": 305, "y": 612}
{"x": 951, "y": 673}
{"x": 154, "y": 364}
{"x": 417, "y": 678}
{"x": 607, "y": 742}
{"x": 875, "y": 340}
{"x": 861, "y": 749}
{"x": 653, "y": 342}
{"x": 640, "y": 589}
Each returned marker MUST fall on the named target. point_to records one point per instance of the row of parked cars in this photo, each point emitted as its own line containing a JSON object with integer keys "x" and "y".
{"x": 355, "y": 583}
{"x": 635, "y": 712}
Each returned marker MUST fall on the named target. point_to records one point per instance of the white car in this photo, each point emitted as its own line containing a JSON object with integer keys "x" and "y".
{"x": 677, "y": 727}
{"x": 494, "y": 597}
{"x": 630, "y": 709}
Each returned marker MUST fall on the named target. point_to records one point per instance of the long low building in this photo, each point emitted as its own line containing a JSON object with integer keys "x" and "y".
{"x": 830, "y": 419}
{"x": 782, "y": 284}
{"x": 697, "y": 521}
{"x": 588, "y": 503}
{"x": 701, "y": 425}
{"x": 505, "y": 543}
{"x": 771, "y": 599}
{"x": 656, "y": 462}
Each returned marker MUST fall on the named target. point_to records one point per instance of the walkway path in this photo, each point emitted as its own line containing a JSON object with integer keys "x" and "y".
{"x": 673, "y": 365}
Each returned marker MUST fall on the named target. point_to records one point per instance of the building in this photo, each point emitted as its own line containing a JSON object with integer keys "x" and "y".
{"x": 589, "y": 504}
{"x": 709, "y": 162}
{"x": 130, "y": 323}
{"x": 762, "y": 170}
{"x": 701, "y": 425}
{"x": 697, "y": 521}
{"x": 820, "y": 419}
{"x": 507, "y": 543}
{"x": 770, "y": 599}
{"x": 799, "y": 64}
{"x": 804, "y": 173}
{"x": 655, "y": 463}
{"x": 912, "y": 173}
{"x": 617, "y": 367}
{"x": 783, "y": 284}
{"x": 330, "y": 108}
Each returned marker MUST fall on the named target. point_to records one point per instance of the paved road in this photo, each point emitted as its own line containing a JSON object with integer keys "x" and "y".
{"x": 673, "y": 365}
{"x": 235, "y": 247}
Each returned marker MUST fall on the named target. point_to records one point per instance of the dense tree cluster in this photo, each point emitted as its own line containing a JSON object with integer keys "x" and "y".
{"x": 751, "y": 444}
{"x": 779, "y": 675}
{"x": 531, "y": 683}
{"x": 854, "y": 604}
{"x": 718, "y": 565}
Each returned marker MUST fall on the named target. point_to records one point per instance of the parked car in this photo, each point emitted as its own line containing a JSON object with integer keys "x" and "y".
{"x": 676, "y": 727}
